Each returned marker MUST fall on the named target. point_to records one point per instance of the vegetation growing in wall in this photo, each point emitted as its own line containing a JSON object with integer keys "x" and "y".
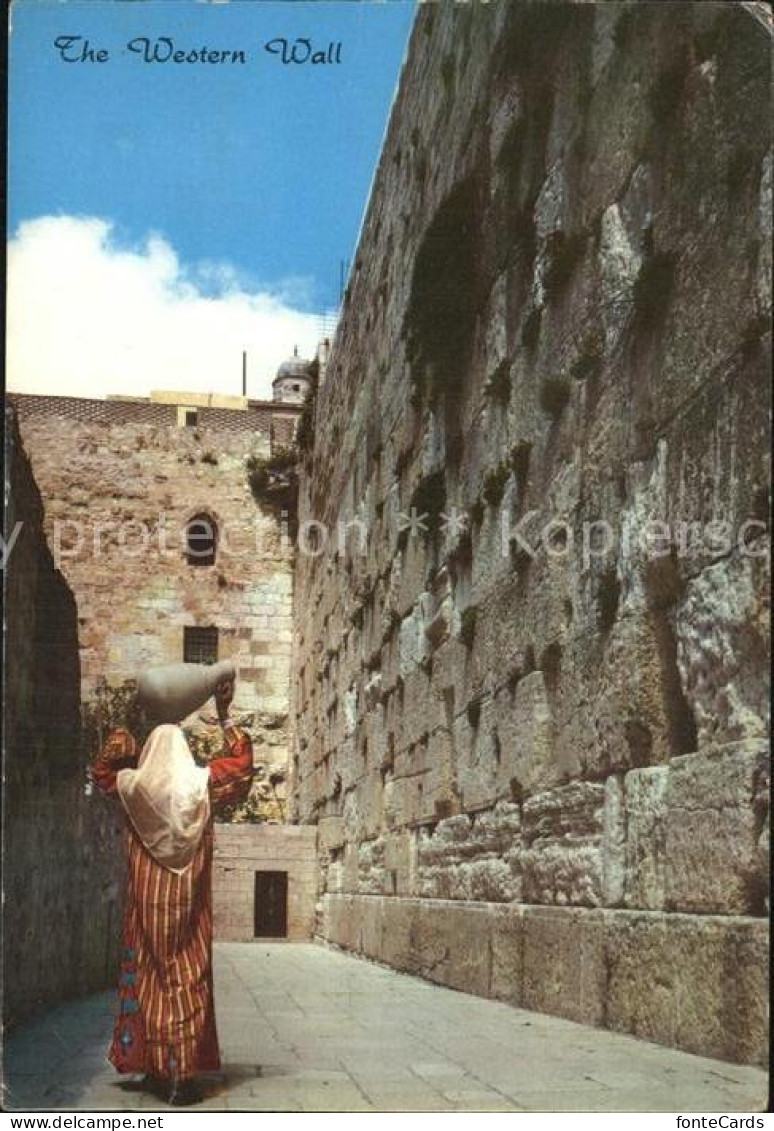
{"x": 110, "y": 706}
{"x": 305, "y": 429}
{"x": 273, "y": 479}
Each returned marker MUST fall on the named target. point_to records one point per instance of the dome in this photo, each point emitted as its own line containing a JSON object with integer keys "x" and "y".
{"x": 293, "y": 368}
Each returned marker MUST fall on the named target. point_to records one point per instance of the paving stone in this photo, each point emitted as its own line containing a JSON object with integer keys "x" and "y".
{"x": 375, "y": 1040}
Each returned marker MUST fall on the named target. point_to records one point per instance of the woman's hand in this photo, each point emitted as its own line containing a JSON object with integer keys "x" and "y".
{"x": 224, "y": 693}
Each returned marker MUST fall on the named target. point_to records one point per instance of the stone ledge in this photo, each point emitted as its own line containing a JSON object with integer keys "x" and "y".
{"x": 696, "y": 982}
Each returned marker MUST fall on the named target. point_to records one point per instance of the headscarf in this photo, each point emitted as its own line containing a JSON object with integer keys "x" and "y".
{"x": 167, "y": 798}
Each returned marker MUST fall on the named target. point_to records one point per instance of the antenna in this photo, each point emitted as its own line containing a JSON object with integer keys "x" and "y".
{"x": 244, "y": 373}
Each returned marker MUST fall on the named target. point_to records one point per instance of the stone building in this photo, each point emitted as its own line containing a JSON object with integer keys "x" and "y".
{"x": 292, "y": 382}
{"x": 166, "y": 554}
{"x": 530, "y": 675}
{"x": 151, "y": 518}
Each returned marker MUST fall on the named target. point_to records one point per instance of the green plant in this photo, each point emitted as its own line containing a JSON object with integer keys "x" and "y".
{"x": 273, "y": 479}
{"x": 110, "y": 706}
{"x": 305, "y": 428}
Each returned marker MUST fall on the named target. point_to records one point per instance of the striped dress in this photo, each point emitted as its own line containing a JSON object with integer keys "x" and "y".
{"x": 165, "y": 1024}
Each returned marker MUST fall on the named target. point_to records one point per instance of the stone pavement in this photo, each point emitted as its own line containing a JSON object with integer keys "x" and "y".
{"x": 306, "y": 1028}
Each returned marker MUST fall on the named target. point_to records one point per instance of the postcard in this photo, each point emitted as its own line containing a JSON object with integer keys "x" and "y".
{"x": 386, "y": 559}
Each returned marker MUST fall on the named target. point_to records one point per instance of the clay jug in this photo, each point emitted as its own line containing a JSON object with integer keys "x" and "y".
{"x": 170, "y": 692}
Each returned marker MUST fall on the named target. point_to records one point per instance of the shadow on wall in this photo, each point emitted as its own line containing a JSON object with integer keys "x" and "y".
{"x": 62, "y": 850}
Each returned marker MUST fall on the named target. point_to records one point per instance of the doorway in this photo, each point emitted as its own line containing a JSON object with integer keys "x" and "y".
{"x": 271, "y": 905}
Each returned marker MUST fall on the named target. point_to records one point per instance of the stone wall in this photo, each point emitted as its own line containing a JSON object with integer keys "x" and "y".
{"x": 121, "y": 480}
{"x": 531, "y": 727}
{"x": 63, "y": 853}
{"x": 243, "y": 850}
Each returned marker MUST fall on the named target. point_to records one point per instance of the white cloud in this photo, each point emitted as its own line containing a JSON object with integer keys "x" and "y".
{"x": 87, "y": 317}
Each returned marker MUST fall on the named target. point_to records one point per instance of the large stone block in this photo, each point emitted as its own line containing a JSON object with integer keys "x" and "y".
{"x": 398, "y": 933}
{"x": 561, "y": 861}
{"x": 338, "y": 922}
{"x": 476, "y": 746}
{"x": 564, "y": 963}
{"x": 713, "y": 829}
{"x": 507, "y": 944}
{"x": 645, "y": 824}
{"x": 695, "y": 982}
{"x": 723, "y": 640}
{"x": 525, "y": 729}
{"x": 448, "y": 945}
{"x": 613, "y": 842}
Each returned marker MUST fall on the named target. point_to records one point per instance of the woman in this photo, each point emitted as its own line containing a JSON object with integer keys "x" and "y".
{"x": 166, "y": 1021}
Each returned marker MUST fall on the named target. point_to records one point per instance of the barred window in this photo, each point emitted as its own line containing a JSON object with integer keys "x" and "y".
{"x": 200, "y": 645}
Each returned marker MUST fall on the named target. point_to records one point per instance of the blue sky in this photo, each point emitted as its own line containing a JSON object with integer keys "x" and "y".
{"x": 249, "y": 179}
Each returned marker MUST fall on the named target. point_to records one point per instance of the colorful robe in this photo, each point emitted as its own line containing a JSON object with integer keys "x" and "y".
{"x": 166, "y": 1020}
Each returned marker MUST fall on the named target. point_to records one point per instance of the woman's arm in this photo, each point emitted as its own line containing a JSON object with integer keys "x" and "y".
{"x": 232, "y": 774}
{"x": 118, "y": 753}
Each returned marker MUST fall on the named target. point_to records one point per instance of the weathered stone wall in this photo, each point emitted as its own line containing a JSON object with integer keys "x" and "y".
{"x": 120, "y": 482}
{"x": 539, "y": 773}
{"x": 63, "y": 853}
{"x": 243, "y": 850}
